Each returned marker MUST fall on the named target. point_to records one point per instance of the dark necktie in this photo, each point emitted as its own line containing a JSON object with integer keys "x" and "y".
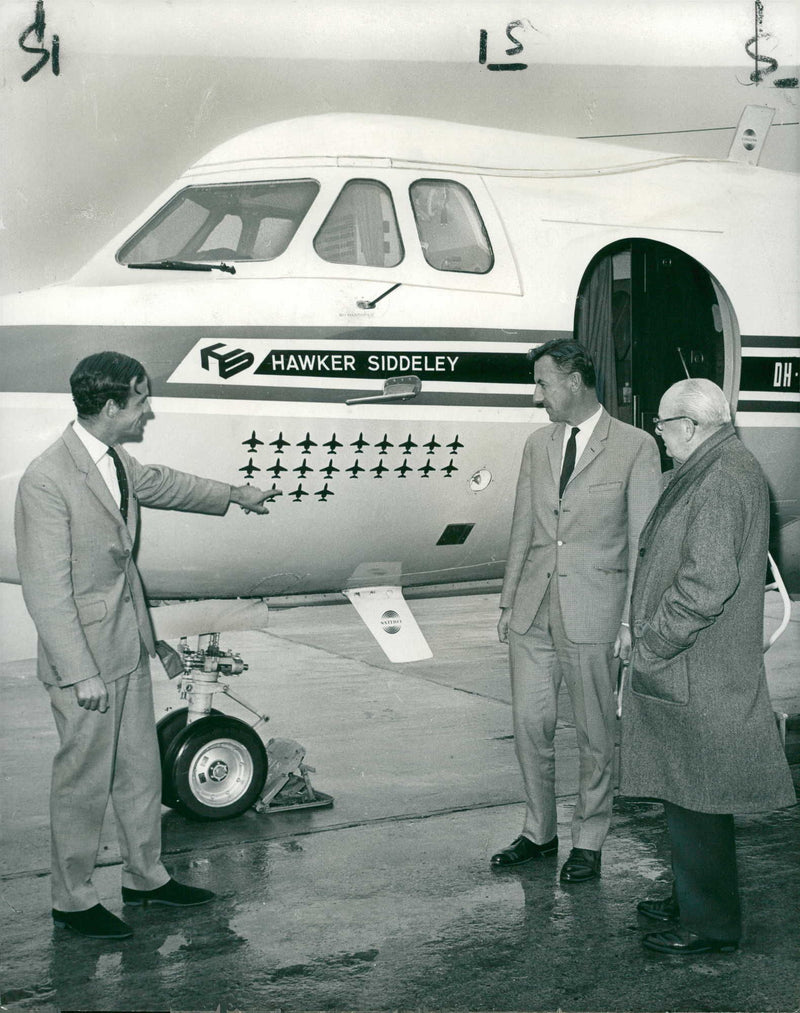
{"x": 123, "y": 483}
{"x": 569, "y": 461}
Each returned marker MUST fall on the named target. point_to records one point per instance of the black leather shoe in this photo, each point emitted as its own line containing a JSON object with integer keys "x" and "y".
{"x": 96, "y": 922}
{"x": 663, "y": 910}
{"x": 685, "y": 944}
{"x": 523, "y": 850}
{"x": 171, "y": 893}
{"x": 581, "y": 866}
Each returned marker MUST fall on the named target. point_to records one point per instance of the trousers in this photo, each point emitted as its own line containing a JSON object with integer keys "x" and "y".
{"x": 704, "y": 870}
{"x": 539, "y": 659}
{"x": 111, "y": 756}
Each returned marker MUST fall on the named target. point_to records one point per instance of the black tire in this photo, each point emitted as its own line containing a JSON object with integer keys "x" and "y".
{"x": 166, "y": 729}
{"x": 217, "y": 768}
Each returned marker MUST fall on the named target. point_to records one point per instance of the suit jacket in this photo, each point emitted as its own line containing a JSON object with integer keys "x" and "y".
{"x": 697, "y": 723}
{"x": 588, "y": 542}
{"x": 76, "y": 557}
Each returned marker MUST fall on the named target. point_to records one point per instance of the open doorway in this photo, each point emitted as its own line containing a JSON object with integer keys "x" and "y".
{"x": 651, "y": 315}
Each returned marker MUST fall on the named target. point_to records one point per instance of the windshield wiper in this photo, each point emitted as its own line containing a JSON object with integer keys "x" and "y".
{"x": 183, "y": 265}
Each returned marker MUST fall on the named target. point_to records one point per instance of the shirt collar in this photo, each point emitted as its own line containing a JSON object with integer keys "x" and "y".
{"x": 96, "y": 448}
{"x": 587, "y": 426}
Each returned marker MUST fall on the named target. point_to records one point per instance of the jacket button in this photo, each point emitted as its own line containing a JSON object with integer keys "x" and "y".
{"x": 556, "y": 512}
{"x": 559, "y": 542}
{"x": 127, "y": 597}
{"x": 641, "y": 552}
{"x": 548, "y": 575}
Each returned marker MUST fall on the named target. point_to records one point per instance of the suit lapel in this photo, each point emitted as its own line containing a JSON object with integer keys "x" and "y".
{"x": 94, "y": 480}
{"x": 554, "y": 452}
{"x": 595, "y": 446}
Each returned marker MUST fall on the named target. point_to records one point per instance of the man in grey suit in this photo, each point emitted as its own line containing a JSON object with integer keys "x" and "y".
{"x": 586, "y": 485}
{"x": 76, "y": 522}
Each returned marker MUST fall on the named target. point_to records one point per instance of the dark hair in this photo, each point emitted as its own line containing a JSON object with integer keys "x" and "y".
{"x": 569, "y": 356}
{"x": 103, "y": 376}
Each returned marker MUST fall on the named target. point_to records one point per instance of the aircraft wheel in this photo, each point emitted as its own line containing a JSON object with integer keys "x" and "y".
{"x": 217, "y": 767}
{"x": 166, "y": 729}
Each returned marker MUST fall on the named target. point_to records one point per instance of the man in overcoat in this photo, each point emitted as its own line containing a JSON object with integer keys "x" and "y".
{"x": 698, "y": 731}
{"x": 76, "y": 522}
{"x": 586, "y": 485}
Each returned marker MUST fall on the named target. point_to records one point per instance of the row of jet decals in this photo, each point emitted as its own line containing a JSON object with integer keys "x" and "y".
{"x": 354, "y": 470}
{"x": 253, "y": 443}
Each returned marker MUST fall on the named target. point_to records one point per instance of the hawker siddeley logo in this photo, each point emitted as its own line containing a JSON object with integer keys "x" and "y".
{"x": 264, "y": 361}
{"x": 308, "y": 362}
{"x": 229, "y": 363}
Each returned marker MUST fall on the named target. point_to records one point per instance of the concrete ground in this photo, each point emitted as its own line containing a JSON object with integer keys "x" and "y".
{"x": 386, "y": 901}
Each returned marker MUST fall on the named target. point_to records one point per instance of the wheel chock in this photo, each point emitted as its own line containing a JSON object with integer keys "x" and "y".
{"x": 288, "y": 786}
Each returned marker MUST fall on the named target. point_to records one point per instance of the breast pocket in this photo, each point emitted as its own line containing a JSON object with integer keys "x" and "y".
{"x": 605, "y": 487}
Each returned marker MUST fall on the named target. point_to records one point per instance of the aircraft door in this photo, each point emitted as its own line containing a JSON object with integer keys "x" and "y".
{"x": 675, "y": 323}
{"x": 650, "y": 315}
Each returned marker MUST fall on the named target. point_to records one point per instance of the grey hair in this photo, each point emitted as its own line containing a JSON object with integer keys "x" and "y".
{"x": 701, "y": 400}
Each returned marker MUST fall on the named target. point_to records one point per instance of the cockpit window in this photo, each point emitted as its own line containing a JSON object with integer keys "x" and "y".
{"x": 361, "y": 227}
{"x": 451, "y": 232}
{"x": 227, "y": 221}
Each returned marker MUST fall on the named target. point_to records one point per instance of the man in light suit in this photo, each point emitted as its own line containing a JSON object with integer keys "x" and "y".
{"x": 586, "y": 485}
{"x": 76, "y": 522}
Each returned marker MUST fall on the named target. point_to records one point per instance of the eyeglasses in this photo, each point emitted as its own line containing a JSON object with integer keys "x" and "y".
{"x": 659, "y": 423}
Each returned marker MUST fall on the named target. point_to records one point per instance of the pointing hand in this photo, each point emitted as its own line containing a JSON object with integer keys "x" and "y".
{"x": 252, "y": 499}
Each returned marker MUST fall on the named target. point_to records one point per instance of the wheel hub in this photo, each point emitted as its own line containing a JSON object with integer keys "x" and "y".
{"x": 218, "y": 771}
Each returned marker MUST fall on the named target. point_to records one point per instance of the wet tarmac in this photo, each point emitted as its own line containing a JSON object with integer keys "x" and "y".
{"x": 386, "y": 900}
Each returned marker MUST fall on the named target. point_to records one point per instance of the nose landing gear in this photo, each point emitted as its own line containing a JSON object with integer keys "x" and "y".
{"x": 214, "y": 766}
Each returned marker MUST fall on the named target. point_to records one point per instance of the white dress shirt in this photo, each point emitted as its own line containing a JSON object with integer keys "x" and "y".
{"x": 98, "y": 451}
{"x": 584, "y": 435}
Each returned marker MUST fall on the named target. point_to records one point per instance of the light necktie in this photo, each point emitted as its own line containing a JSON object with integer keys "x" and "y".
{"x": 569, "y": 461}
{"x": 123, "y": 483}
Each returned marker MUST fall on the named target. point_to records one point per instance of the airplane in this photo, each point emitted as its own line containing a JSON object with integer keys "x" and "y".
{"x": 432, "y": 444}
{"x": 276, "y": 468}
{"x": 426, "y": 469}
{"x": 332, "y": 444}
{"x": 324, "y": 492}
{"x": 329, "y": 469}
{"x": 407, "y": 444}
{"x": 253, "y": 443}
{"x": 303, "y": 468}
{"x": 404, "y": 468}
{"x": 307, "y": 444}
{"x": 448, "y": 469}
{"x": 250, "y": 468}
{"x": 279, "y": 443}
{"x": 392, "y": 274}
